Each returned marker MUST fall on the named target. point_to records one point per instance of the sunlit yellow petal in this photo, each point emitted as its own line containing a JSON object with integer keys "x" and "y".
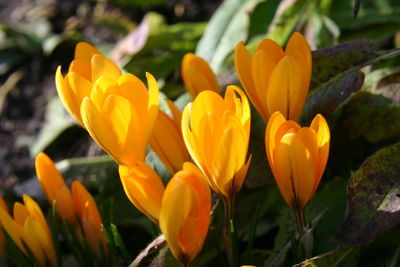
{"x": 67, "y": 97}
{"x": 32, "y": 240}
{"x": 85, "y": 52}
{"x": 102, "y": 65}
{"x": 143, "y": 187}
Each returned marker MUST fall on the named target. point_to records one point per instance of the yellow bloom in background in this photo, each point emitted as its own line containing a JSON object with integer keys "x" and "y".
{"x": 54, "y": 186}
{"x": 4, "y": 207}
{"x": 167, "y": 140}
{"x": 29, "y": 226}
{"x": 216, "y": 131}
{"x": 72, "y": 206}
{"x": 197, "y": 75}
{"x": 276, "y": 80}
{"x": 297, "y": 156}
{"x": 90, "y": 218}
{"x": 120, "y": 115}
{"x": 88, "y": 65}
{"x": 143, "y": 187}
{"x": 185, "y": 213}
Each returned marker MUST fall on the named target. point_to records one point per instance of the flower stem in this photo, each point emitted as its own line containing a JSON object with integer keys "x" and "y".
{"x": 230, "y": 238}
{"x": 301, "y": 228}
{"x": 305, "y": 235}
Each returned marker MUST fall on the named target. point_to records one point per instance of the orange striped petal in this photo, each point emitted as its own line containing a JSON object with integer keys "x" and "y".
{"x": 285, "y": 91}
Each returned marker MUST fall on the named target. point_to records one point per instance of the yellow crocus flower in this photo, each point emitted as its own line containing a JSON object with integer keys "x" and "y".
{"x": 29, "y": 226}
{"x": 4, "y": 207}
{"x": 216, "y": 131}
{"x": 185, "y": 213}
{"x": 88, "y": 65}
{"x": 197, "y": 75}
{"x": 297, "y": 156}
{"x": 143, "y": 187}
{"x": 167, "y": 140}
{"x": 54, "y": 186}
{"x": 276, "y": 80}
{"x": 90, "y": 217}
{"x": 120, "y": 115}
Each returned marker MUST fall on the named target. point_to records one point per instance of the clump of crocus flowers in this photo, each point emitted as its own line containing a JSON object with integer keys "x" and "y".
{"x": 28, "y": 230}
{"x": 122, "y": 115}
{"x": 76, "y": 207}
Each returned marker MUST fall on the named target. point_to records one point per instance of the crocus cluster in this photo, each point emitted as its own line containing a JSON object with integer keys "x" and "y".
{"x": 75, "y": 207}
{"x": 122, "y": 115}
{"x": 28, "y": 229}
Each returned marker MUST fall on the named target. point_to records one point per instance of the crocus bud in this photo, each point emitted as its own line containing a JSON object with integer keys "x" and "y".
{"x": 216, "y": 131}
{"x": 297, "y": 157}
{"x": 185, "y": 213}
{"x": 143, "y": 187}
{"x": 276, "y": 80}
{"x": 167, "y": 140}
{"x": 197, "y": 75}
{"x": 90, "y": 218}
{"x": 55, "y": 188}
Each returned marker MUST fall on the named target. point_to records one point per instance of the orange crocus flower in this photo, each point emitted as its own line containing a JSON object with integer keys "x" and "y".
{"x": 276, "y": 80}
{"x": 185, "y": 213}
{"x": 90, "y": 218}
{"x": 197, "y": 75}
{"x": 297, "y": 156}
{"x": 54, "y": 186}
{"x": 216, "y": 131}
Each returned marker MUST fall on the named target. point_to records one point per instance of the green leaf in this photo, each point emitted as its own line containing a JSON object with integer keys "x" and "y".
{"x": 336, "y": 75}
{"x": 373, "y": 202}
{"x": 332, "y": 61}
{"x": 57, "y": 120}
{"x": 265, "y": 12}
{"x": 120, "y": 244}
{"x": 165, "y": 47}
{"x": 374, "y": 118}
{"x": 227, "y": 27}
{"x": 287, "y": 18}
